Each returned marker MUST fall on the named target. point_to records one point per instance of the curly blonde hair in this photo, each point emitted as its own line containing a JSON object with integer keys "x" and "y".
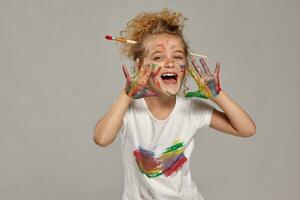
{"x": 151, "y": 23}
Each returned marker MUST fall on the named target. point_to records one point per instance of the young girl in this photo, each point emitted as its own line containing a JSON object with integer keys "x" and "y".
{"x": 156, "y": 124}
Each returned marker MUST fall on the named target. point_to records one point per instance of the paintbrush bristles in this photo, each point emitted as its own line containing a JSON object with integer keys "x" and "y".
{"x": 197, "y": 55}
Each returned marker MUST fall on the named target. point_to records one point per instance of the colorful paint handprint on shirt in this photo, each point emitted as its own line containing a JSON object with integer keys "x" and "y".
{"x": 169, "y": 162}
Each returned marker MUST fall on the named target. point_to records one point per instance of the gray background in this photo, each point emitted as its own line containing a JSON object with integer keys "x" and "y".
{"x": 58, "y": 76}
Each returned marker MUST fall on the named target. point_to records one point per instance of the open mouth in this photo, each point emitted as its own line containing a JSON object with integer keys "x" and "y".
{"x": 169, "y": 77}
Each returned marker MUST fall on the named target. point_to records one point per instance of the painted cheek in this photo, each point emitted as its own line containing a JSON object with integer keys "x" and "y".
{"x": 182, "y": 77}
{"x": 182, "y": 71}
{"x": 154, "y": 67}
{"x": 182, "y": 68}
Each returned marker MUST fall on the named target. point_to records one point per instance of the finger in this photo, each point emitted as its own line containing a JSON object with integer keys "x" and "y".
{"x": 142, "y": 70}
{"x": 137, "y": 68}
{"x": 135, "y": 73}
{"x": 148, "y": 71}
{"x": 144, "y": 75}
{"x": 127, "y": 75}
{"x": 217, "y": 69}
{"x": 197, "y": 67}
{"x": 193, "y": 73}
{"x": 216, "y": 75}
{"x": 205, "y": 67}
{"x": 155, "y": 69}
{"x": 125, "y": 71}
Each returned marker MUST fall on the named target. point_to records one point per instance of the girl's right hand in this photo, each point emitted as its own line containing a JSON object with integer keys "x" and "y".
{"x": 136, "y": 86}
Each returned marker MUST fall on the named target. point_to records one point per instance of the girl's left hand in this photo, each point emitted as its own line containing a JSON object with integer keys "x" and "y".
{"x": 208, "y": 84}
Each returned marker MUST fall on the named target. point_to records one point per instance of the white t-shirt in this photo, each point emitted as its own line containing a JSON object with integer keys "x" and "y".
{"x": 156, "y": 153}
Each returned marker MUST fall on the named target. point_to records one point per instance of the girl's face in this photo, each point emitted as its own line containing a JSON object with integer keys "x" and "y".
{"x": 167, "y": 52}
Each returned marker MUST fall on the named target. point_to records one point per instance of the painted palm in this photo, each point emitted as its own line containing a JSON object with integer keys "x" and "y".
{"x": 208, "y": 83}
{"x": 136, "y": 86}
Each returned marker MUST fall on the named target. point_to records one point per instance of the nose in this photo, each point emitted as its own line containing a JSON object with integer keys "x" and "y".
{"x": 170, "y": 64}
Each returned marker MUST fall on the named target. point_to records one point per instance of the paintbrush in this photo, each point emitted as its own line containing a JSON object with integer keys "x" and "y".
{"x": 120, "y": 39}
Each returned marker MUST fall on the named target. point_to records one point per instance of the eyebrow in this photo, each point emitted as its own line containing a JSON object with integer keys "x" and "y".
{"x": 156, "y": 52}
{"x": 179, "y": 51}
{"x": 159, "y": 51}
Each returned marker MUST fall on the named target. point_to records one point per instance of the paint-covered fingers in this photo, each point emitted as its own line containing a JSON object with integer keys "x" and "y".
{"x": 148, "y": 71}
{"x": 127, "y": 75}
{"x": 136, "y": 86}
{"x": 205, "y": 67}
{"x": 137, "y": 69}
{"x": 197, "y": 67}
{"x": 144, "y": 75}
{"x": 155, "y": 69}
{"x": 217, "y": 72}
{"x": 208, "y": 84}
{"x": 217, "y": 69}
{"x": 199, "y": 81}
{"x": 125, "y": 71}
{"x": 194, "y": 74}
{"x": 142, "y": 70}
{"x": 212, "y": 82}
{"x": 129, "y": 88}
{"x": 216, "y": 77}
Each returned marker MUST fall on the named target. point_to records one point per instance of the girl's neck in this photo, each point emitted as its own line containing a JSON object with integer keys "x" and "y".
{"x": 161, "y": 101}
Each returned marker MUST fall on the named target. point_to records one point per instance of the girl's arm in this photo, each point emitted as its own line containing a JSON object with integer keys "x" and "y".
{"x": 109, "y": 125}
{"x": 234, "y": 120}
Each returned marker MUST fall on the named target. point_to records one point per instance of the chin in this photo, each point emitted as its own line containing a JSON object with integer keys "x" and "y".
{"x": 171, "y": 92}
{"x": 168, "y": 83}
{"x": 170, "y": 89}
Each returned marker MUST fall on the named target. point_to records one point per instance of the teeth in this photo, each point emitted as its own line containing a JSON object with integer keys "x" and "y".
{"x": 169, "y": 74}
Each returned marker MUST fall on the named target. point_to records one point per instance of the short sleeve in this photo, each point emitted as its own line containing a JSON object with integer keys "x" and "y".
{"x": 200, "y": 113}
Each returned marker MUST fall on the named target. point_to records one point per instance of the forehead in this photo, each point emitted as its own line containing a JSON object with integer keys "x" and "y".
{"x": 163, "y": 42}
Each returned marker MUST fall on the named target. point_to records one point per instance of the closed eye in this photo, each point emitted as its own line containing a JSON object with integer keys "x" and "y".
{"x": 178, "y": 57}
{"x": 158, "y": 57}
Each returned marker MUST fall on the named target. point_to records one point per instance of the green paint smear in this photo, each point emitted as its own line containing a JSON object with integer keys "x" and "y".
{"x": 153, "y": 175}
{"x": 154, "y": 66}
{"x": 174, "y": 147}
{"x": 198, "y": 94}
